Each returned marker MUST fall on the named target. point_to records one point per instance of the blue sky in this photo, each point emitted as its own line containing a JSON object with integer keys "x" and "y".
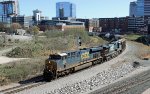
{"x": 85, "y": 8}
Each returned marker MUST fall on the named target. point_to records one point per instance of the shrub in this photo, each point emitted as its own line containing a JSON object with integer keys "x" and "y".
{"x": 20, "y": 52}
{"x": 21, "y": 70}
{"x": 55, "y": 41}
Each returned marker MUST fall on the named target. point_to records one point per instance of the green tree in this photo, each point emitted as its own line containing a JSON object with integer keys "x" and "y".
{"x": 34, "y": 30}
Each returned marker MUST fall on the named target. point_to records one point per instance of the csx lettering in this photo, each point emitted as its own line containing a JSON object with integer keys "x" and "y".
{"x": 85, "y": 55}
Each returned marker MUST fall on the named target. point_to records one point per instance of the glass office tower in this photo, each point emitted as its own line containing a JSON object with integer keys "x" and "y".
{"x": 140, "y": 8}
{"x": 8, "y": 8}
{"x": 133, "y": 7}
{"x": 65, "y": 9}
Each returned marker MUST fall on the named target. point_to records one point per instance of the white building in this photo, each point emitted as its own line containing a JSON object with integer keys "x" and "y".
{"x": 37, "y": 15}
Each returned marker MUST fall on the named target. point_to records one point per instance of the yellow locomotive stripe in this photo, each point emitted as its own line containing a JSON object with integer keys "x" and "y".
{"x": 81, "y": 63}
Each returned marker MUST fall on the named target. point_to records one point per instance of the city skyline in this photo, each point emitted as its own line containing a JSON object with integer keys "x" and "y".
{"x": 84, "y": 8}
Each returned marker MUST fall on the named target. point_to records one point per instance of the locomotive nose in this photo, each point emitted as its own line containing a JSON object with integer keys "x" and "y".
{"x": 48, "y": 65}
{"x": 50, "y": 70}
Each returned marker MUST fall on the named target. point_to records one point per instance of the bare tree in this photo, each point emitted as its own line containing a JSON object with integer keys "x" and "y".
{"x": 2, "y": 27}
{"x": 14, "y": 27}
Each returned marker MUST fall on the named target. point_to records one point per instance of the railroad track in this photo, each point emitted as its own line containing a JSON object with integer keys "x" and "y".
{"x": 21, "y": 88}
{"x": 30, "y": 83}
{"x": 125, "y": 85}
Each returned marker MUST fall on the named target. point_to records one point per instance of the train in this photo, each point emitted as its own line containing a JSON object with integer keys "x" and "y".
{"x": 60, "y": 64}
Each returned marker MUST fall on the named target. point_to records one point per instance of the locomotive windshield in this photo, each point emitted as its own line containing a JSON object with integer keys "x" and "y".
{"x": 54, "y": 57}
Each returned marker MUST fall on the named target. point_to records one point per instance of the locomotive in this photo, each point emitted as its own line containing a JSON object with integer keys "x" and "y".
{"x": 61, "y": 64}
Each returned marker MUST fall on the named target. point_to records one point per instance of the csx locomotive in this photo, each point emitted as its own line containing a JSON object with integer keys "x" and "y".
{"x": 68, "y": 62}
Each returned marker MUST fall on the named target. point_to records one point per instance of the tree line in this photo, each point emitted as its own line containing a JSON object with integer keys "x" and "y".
{"x": 12, "y": 29}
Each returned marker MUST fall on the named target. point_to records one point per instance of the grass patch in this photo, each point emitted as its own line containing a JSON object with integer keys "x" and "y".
{"x": 132, "y": 37}
{"x": 1, "y": 42}
{"x": 20, "y": 70}
{"x": 7, "y": 44}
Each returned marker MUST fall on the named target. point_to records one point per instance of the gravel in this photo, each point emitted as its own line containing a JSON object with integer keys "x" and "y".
{"x": 102, "y": 78}
{"x": 92, "y": 78}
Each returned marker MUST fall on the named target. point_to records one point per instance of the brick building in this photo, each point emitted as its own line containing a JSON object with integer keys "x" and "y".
{"x": 114, "y": 24}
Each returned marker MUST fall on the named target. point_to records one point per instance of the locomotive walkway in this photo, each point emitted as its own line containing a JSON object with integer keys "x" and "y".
{"x": 96, "y": 78}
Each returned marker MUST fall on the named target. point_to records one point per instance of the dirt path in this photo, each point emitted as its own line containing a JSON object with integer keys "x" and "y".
{"x": 4, "y": 59}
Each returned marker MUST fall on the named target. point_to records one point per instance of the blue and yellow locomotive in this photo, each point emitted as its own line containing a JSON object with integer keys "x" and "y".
{"x": 60, "y": 64}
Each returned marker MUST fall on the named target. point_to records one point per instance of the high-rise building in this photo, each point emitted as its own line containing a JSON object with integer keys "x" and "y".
{"x": 8, "y": 8}
{"x": 147, "y": 7}
{"x": 37, "y": 16}
{"x": 65, "y": 9}
{"x": 133, "y": 7}
{"x": 140, "y": 8}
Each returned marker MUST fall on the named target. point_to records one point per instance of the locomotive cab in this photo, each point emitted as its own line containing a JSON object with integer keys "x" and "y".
{"x": 52, "y": 64}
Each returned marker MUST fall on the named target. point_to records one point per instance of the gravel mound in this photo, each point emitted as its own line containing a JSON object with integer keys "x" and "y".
{"x": 103, "y": 78}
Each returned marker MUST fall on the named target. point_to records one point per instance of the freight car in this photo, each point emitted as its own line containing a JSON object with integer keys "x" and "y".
{"x": 61, "y": 64}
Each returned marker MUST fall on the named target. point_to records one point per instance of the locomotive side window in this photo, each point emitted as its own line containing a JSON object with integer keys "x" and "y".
{"x": 69, "y": 55}
{"x": 78, "y": 54}
{"x": 64, "y": 57}
{"x": 73, "y": 54}
{"x": 118, "y": 45}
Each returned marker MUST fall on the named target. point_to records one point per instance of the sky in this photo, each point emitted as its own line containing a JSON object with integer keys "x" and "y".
{"x": 84, "y": 8}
